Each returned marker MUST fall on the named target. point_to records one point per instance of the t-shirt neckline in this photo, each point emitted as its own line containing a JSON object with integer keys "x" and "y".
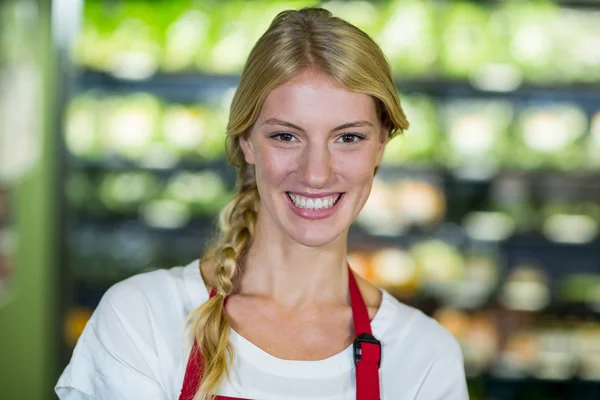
{"x": 251, "y": 353}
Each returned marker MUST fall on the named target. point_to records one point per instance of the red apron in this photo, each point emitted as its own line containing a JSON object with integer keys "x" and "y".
{"x": 367, "y": 354}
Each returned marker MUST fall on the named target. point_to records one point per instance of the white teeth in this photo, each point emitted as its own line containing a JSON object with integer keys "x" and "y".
{"x": 313, "y": 204}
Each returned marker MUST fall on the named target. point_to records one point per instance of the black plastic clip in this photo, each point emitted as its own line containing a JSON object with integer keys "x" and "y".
{"x": 366, "y": 338}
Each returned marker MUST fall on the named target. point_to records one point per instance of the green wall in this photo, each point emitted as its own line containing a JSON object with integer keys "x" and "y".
{"x": 28, "y": 322}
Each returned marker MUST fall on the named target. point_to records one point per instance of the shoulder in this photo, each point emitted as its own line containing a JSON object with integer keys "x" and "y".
{"x": 411, "y": 332}
{"x": 175, "y": 289}
{"x": 134, "y": 340}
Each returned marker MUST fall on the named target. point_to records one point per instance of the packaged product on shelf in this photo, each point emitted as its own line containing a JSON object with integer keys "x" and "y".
{"x": 477, "y": 335}
{"x": 592, "y": 146}
{"x": 130, "y": 125}
{"x": 476, "y": 139}
{"x": 582, "y": 288}
{"x": 165, "y": 214}
{"x": 518, "y": 355}
{"x": 360, "y": 262}
{"x": 557, "y": 359}
{"x": 440, "y": 264}
{"x": 566, "y": 222}
{"x": 396, "y": 270}
{"x": 479, "y": 281}
{"x": 587, "y": 338}
{"x": 421, "y": 143}
{"x": 378, "y": 215}
{"x": 494, "y": 226}
{"x": 534, "y": 42}
{"x": 550, "y": 136}
{"x": 418, "y": 203}
{"x": 80, "y": 191}
{"x": 408, "y": 37}
{"x": 395, "y": 206}
{"x": 75, "y": 321}
{"x": 81, "y": 123}
{"x": 126, "y": 191}
{"x": 527, "y": 288}
{"x": 204, "y": 192}
{"x": 511, "y": 195}
{"x": 184, "y": 128}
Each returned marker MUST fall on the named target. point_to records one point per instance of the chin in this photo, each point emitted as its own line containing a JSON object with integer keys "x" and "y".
{"x": 315, "y": 236}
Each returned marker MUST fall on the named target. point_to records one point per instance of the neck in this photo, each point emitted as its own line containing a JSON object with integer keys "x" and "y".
{"x": 293, "y": 275}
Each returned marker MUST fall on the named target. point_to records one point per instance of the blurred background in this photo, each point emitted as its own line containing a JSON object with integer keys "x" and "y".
{"x": 485, "y": 215}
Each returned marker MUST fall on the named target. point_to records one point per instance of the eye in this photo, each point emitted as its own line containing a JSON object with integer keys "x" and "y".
{"x": 351, "y": 137}
{"x": 283, "y": 137}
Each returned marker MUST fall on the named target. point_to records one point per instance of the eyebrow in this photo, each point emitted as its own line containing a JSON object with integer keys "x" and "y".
{"x": 354, "y": 124}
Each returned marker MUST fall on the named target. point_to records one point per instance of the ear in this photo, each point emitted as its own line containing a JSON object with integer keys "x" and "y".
{"x": 248, "y": 148}
{"x": 384, "y": 137}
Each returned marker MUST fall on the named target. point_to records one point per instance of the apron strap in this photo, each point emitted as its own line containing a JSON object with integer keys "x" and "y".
{"x": 367, "y": 352}
{"x": 367, "y": 349}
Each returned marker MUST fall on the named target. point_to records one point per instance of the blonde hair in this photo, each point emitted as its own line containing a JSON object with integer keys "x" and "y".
{"x": 295, "y": 40}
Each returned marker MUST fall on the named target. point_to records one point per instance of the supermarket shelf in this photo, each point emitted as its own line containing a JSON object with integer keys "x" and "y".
{"x": 488, "y": 386}
{"x": 180, "y": 87}
{"x": 121, "y": 164}
{"x": 198, "y": 86}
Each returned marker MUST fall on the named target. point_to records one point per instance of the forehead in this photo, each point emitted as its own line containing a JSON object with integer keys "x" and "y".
{"x": 313, "y": 97}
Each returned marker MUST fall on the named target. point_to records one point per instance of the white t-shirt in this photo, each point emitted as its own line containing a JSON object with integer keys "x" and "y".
{"x": 133, "y": 347}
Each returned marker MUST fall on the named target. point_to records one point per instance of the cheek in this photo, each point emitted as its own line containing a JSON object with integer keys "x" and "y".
{"x": 273, "y": 166}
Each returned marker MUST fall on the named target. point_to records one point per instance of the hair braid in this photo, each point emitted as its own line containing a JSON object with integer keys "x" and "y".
{"x": 209, "y": 321}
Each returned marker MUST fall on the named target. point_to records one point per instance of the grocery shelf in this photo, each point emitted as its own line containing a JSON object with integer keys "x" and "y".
{"x": 178, "y": 87}
{"x": 197, "y": 86}
{"x": 531, "y": 388}
{"x": 122, "y": 164}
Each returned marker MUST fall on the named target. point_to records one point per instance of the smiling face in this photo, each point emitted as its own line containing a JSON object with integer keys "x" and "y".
{"x": 315, "y": 146}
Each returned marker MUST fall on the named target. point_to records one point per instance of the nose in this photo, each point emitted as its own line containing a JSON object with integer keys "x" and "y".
{"x": 315, "y": 167}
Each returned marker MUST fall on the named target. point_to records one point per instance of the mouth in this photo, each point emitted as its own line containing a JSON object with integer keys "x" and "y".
{"x": 314, "y": 203}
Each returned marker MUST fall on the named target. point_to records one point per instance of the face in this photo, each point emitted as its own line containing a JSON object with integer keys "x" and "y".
{"x": 315, "y": 146}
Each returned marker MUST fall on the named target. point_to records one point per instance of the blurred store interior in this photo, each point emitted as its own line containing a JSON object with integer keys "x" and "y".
{"x": 485, "y": 215}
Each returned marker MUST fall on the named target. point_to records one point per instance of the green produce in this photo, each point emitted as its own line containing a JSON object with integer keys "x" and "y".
{"x": 184, "y": 128}
{"x": 203, "y": 192}
{"x": 187, "y": 36}
{"x": 476, "y": 140}
{"x": 408, "y": 37}
{"x": 550, "y": 136}
{"x": 579, "y": 45}
{"x": 534, "y": 40}
{"x": 239, "y": 25}
{"x": 366, "y": 16}
{"x": 568, "y": 222}
{"x": 81, "y": 136}
{"x": 466, "y": 41}
{"x": 440, "y": 264}
{"x": 593, "y": 143}
{"x": 130, "y": 125}
{"x": 126, "y": 191}
{"x": 420, "y": 143}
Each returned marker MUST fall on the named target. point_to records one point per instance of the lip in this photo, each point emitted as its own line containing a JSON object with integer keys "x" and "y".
{"x": 315, "y": 214}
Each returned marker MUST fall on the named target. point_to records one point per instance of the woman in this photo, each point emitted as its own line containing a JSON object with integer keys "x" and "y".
{"x": 273, "y": 310}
